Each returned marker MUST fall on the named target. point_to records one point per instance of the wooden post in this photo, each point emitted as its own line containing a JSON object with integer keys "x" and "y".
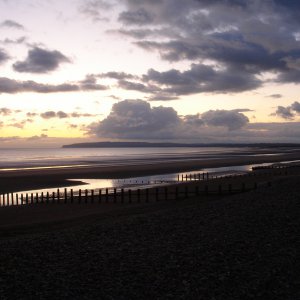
{"x": 47, "y": 198}
{"x": 178, "y": 177}
{"x": 72, "y": 196}
{"x": 220, "y": 189}
{"x": 86, "y": 196}
{"x": 106, "y": 195}
{"x": 17, "y": 199}
{"x": 186, "y": 177}
{"x": 37, "y": 198}
{"x": 243, "y": 187}
{"x": 12, "y": 199}
{"x": 115, "y": 195}
{"x": 122, "y": 195}
{"x": 190, "y": 176}
{"x": 99, "y": 196}
{"x": 129, "y": 196}
{"x": 182, "y": 177}
{"x": 92, "y": 196}
{"x": 27, "y": 199}
{"x": 7, "y": 199}
{"x": 186, "y": 191}
{"x": 66, "y": 195}
{"x": 22, "y": 199}
{"x": 58, "y": 196}
{"x": 42, "y": 197}
{"x": 147, "y": 195}
{"x": 53, "y": 197}
{"x": 79, "y": 196}
{"x": 139, "y": 195}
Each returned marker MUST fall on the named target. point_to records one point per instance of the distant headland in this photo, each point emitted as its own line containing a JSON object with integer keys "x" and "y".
{"x": 171, "y": 145}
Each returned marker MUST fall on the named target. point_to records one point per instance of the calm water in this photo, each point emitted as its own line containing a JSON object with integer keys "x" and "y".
{"x": 33, "y": 158}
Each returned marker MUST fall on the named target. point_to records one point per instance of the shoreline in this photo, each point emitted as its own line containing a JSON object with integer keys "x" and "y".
{"x": 19, "y": 180}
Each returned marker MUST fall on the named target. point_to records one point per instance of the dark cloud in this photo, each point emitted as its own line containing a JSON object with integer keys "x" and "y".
{"x": 41, "y": 61}
{"x": 116, "y": 75}
{"x": 11, "y": 24}
{"x": 3, "y": 56}
{"x": 136, "y": 17}
{"x": 136, "y": 119}
{"x": 288, "y": 112}
{"x": 231, "y": 119}
{"x": 48, "y": 115}
{"x": 90, "y": 84}
{"x": 275, "y": 96}
{"x": 202, "y": 78}
{"x": 20, "y": 40}
{"x": 11, "y": 86}
{"x": 236, "y": 35}
{"x": 62, "y": 115}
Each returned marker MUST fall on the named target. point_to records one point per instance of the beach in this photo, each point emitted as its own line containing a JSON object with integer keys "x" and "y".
{"x": 241, "y": 246}
{"x": 22, "y": 179}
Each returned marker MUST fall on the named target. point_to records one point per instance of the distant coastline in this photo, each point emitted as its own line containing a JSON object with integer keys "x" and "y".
{"x": 173, "y": 145}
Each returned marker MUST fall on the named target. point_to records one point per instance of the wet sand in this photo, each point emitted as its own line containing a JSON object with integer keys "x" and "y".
{"x": 19, "y": 180}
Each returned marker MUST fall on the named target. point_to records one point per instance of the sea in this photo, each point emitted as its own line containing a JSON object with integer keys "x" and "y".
{"x": 39, "y": 158}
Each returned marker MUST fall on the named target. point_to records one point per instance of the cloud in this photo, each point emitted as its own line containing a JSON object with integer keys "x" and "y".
{"x": 288, "y": 112}
{"x": 11, "y": 24}
{"x": 275, "y": 96}
{"x": 41, "y": 61}
{"x": 231, "y": 119}
{"x": 17, "y": 41}
{"x": 11, "y": 86}
{"x": 137, "y": 17}
{"x": 94, "y": 8}
{"x": 62, "y": 115}
{"x": 136, "y": 119}
{"x": 116, "y": 75}
{"x": 5, "y": 111}
{"x": 237, "y": 36}
{"x": 3, "y": 56}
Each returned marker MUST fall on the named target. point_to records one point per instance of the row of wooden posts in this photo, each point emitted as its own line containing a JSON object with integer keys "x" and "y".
{"x": 104, "y": 195}
{"x": 118, "y": 195}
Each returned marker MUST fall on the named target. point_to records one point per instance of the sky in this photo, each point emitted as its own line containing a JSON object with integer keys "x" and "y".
{"x": 206, "y": 71}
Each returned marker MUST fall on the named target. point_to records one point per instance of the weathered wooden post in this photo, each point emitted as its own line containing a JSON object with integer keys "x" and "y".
{"x": 186, "y": 177}
{"x": 47, "y": 198}
{"x": 139, "y": 195}
{"x": 186, "y": 191}
{"x": 206, "y": 189}
{"x": 129, "y": 196}
{"x": 122, "y": 195}
{"x": 53, "y": 197}
{"x": 92, "y": 196}
{"x": 22, "y": 199}
{"x": 166, "y": 193}
{"x": 115, "y": 195}
{"x": 17, "y": 199}
{"x": 12, "y": 199}
{"x": 37, "y": 198}
{"x": 72, "y": 196}
{"x": 230, "y": 188}
{"x": 27, "y": 199}
{"x": 181, "y": 177}
{"x": 197, "y": 190}
{"x": 106, "y": 195}
{"x": 7, "y": 199}
{"x": 220, "y": 189}
{"x": 86, "y": 196}
{"x": 79, "y": 196}
{"x": 99, "y": 196}
{"x": 66, "y": 195}
{"x": 58, "y": 196}
{"x": 178, "y": 177}
{"x": 42, "y": 197}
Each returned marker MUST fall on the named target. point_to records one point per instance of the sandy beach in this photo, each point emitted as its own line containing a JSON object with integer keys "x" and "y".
{"x": 18, "y": 180}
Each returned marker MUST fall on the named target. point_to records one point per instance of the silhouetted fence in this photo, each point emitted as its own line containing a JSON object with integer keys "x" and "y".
{"x": 188, "y": 185}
